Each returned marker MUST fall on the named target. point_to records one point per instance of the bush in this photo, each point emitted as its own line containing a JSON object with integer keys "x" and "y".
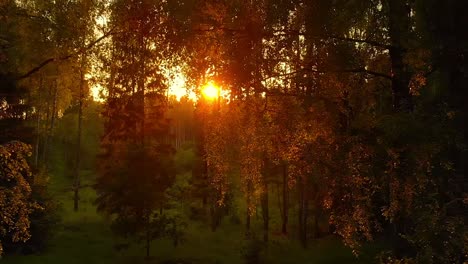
{"x": 43, "y": 222}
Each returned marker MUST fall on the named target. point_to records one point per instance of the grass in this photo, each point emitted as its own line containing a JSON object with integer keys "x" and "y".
{"x": 85, "y": 237}
{"x": 81, "y": 237}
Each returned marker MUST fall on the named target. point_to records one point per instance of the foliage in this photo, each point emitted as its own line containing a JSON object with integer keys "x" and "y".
{"x": 355, "y": 109}
{"x": 136, "y": 166}
{"x": 44, "y": 223}
{"x": 131, "y": 189}
{"x": 16, "y": 205}
{"x": 365, "y": 146}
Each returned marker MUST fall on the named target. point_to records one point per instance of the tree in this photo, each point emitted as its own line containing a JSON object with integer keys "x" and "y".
{"x": 16, "y": 205}
{"x": 356, "y": 109}
{"x": 252, "y": 153}
{"x": 360, "y": 71}
{"x": 133, "y": 191}
{"x": 136, "y": 166}
{"x": 218, "y": 167}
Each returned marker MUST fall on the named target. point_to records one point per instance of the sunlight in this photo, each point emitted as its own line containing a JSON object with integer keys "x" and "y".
{"x": 178, "y": 84}
{"x": 210, "y": 90}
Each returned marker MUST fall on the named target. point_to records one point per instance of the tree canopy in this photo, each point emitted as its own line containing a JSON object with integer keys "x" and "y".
{"x": 347, "y": 117}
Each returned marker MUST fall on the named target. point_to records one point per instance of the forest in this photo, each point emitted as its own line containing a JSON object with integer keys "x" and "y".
{"x": 233, "y": 131}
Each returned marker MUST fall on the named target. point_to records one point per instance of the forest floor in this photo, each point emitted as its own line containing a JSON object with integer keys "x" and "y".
{"x": 85, "y": 237}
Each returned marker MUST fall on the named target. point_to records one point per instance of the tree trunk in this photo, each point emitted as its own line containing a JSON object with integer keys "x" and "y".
{"x": 279, "y": 197}
{"x": 399, "y": 32}
{"x": 285, "y": 215}
{"x": 54, "y": 109}
{"x": 148, "y": 243}
{"x": 300, "y": 211}
{"x": 399, "y": 28}
{"x": 36, "y": 143}
{"x": 247, "y": 222}
{"x": 303, "y": 212}
{"x": 316, "y": 226}
{"x": 45, "y": 141}
{"x": 317, "y": 216}
{"x": 148, "y": 238}
{"x": 51, "y": 126}
{"x": 305, "y": 215}
{"x": 247, "y": 214}
{"x": 249, "y": 206}
{"x": 38, "y": 127}
{"x": 265, "y": 212}
{"x": 205, "y": 180}
{"x": 76, "y": 181}
{"x": 213, "y": 214}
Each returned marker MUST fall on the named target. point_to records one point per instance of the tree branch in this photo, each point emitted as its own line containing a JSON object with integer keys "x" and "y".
{"x": 364, "y": 41}
{"x": 79, "y": 187}
{"x": 325, "y": 37}
{"x": 65, "y": 57}
{"x": 356, "y": 70}
{"x": 31, "y": 16}
{"x": 374, "y": 43}
{"x": 445, "y": 206}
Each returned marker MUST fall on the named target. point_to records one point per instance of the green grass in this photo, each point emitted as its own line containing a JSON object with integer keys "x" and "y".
{"x": 85, "y": 237}
{"x": 81, "y": 237}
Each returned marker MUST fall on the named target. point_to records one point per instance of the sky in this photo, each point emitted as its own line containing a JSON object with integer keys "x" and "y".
{"x": 177, "y": 88}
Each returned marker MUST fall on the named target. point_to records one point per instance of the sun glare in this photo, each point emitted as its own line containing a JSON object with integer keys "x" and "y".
{"x": 210, "y": 90}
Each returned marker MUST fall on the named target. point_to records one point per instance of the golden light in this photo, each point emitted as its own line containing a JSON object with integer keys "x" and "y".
{"x": 211, "y": 91}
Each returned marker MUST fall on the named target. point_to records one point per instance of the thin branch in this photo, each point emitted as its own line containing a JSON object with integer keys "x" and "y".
{"x": 211, "y": 28}
{"x": 364, "y": 41}
{"x": 295, "y": 33}
{"x": 325, "y": 37}
{"x": 65, "y": 57}
{"x": 356, "y": 70}
{"x": 445, "y": 206}
{"x": 31, "y": 16}
{"x": 79, "y": 187}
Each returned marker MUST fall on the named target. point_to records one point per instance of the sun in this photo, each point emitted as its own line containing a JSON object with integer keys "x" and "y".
{"x": 211, "y": 91}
